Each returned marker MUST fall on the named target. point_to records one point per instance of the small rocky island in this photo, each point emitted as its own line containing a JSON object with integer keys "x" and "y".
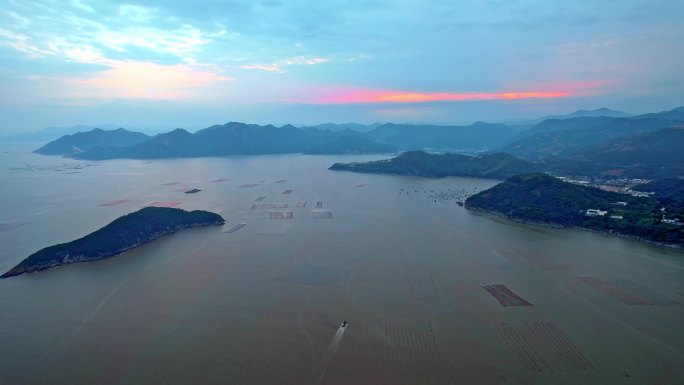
{"x": 122, "y": 234}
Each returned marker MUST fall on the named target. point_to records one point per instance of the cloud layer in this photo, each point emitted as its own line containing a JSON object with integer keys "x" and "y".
{"x": 262, "y": 55}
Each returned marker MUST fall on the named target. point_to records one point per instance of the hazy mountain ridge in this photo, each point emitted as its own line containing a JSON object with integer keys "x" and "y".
{"x": 343, "y": 127}
{"x": 598, "y": 112}
{"x": 236, "y": 138}
{"x": 604, "y": 146}
{"x": 229, "y": 139}
{"x": 352, "y": 144}
{"x": 84, "y": 141}
{"x": 652, "y": 155}
{"x": 560, "y": 137}
{"x": 479, "y": 135}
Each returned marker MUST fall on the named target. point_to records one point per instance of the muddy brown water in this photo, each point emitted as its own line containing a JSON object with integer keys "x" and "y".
{"x": 262, "y": 304}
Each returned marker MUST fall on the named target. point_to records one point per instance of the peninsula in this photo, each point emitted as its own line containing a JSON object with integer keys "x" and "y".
{"x": 419, "y": 163}
{"x": 542, "y": 199}
{"x": 122, "y": 234}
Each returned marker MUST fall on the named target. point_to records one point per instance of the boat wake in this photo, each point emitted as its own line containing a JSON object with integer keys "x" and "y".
{"x": 332, "y": 349}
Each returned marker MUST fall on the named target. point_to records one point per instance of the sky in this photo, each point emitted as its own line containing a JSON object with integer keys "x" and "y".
{"x": 192, "y": 64}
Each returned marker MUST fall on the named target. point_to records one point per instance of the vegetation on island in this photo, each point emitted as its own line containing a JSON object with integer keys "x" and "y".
{"x": 670, "y": 194}
{"x": 543, "y": 199}
{"x": 435, "y": 165}
{"x": 122, "y": 234}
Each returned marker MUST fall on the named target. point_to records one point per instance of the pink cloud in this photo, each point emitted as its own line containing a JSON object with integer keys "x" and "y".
{"x": 357, "y": 95}
{"x": 372, "y": 96}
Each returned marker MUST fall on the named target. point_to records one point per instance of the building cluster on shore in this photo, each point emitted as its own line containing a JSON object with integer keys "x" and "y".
{"x": 618, "y": 185}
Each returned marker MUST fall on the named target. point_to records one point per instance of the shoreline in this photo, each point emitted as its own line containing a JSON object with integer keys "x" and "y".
{"x": 495, "y": 214}
{"x": 416, "y": 175}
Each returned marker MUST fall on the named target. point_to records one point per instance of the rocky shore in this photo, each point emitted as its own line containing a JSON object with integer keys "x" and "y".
{"x": 505, "y": 217}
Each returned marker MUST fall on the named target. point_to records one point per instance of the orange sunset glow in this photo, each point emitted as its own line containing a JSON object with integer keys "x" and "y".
{"x": 369, "y": 96}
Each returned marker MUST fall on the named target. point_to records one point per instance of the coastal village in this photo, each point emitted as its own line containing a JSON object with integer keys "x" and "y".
{"x": 620, "y": 186}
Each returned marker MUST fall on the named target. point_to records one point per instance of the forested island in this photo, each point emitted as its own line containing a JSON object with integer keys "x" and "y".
{"x": 122, "y": 234}
{"x": 545, "y": 200}
{"x": 419, "y": 163}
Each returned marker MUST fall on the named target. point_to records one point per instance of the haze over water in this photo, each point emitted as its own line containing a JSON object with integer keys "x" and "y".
{"x": 261, "y": 305}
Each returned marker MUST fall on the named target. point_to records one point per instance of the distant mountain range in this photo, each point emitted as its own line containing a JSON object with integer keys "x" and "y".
{"x": 242, "y": 139}
{"x": 560, "y": 137}
{"x": 581, "y": 143}
{"x": 419, "y": 163}
{"x": 344, "y": 127}
{"x": 656, "y": 154}
{"x": 47, "y": 134}
{"x": 606, "y": 112}
{"x": 478, "y": 136}
{"x": 229, "y": 139}
{"x": 84, "y": 141}
{"x": 352, "y": 144}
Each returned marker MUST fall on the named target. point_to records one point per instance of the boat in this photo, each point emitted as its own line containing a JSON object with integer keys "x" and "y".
{"x": 344, "y": 323}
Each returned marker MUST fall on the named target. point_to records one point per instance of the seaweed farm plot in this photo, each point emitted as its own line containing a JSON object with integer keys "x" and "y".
{"x": 287, "y": 192}
{"x": 114, "y": 203}
{"x": 614, "y": 291}
{"x": 645, "y": 293}
{"x": 542, "y": 347}
{"x": 163, "y": 204}
{"x": 544, "y": 262}
{"x": 246, "y": 215}
{"x": 321, "y": 214}
{"x": 11, "y": 225}
{"x": 219, "y": 180}
{"x": 248, "y": 185}
{"x": 333, "y": 276}
{"x": 269, "y": 206}
{"x": 280, "y": 215}
{"x": 421, "y": 285}
{"x": 186, "y": 328}
{"x": 256, "y": 372}
{"x": 300, "y": 204}
{"x": 281, "y": 181}
{"x": 505, "y": 296}
{"x": 398, "y": 342}
{"x": 190, "y": 326}
{"x": 261, "y": 198}
{"x": 235, "y": 228}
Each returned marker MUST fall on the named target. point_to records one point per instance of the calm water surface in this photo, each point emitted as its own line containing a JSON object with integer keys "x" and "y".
{"x": 263, "y": 305}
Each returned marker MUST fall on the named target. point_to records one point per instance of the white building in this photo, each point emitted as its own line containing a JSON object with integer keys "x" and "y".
{"x": 596, "y": 213}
